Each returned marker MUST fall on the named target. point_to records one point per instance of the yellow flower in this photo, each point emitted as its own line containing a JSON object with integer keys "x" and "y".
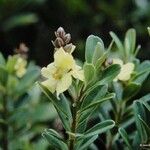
{"x": 126, "y": 70}
{"x": 20, "y": 67}
{"x": 59, "y": 73}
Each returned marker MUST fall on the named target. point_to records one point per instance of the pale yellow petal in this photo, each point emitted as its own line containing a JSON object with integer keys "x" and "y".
{"x": 126, "y": 71}
{"x": 118, "y": 61}
{"x": 50, "y": 84}
{"x": 48, "y": 71}
{"x": 72, "y": 48}
{"x": 64, "y": 83}
{"x": 63, "y": 59}
{"x": 78, "y": 73}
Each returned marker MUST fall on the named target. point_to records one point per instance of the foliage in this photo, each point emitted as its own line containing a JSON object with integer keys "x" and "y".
{"x": 22, "y": 113}
{"x": 101, "y": 95}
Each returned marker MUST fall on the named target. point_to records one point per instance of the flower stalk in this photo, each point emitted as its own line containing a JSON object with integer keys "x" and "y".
{"x": 73, "y": 128}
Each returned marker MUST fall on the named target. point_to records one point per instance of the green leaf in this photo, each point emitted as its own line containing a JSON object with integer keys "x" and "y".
{"x": 99, "y": 51}
{"x": 145, "y": 98}
{"x": 118, "y": 42}
{"x": 131, "y": 90}
{"x": 95, "y": 94}
{"x": 98, "y": 102}
{"x": 12, "y": 83}
{"x": 130, "y": 41}
{"x": 139, "y": 110}
{"x": 145, "y": 126}
{"x": 143, "y": 71}
{"x": 43, "y": 112}
{"x": 118, "y": 89}
{"x": 145, "y": 131}
{"x": 99, "y": 128}
{"x": 61, "y": 107}
{"x": 86, "y": 143}
{"x": 3, "y": 76}
{"x": 100, "y": 62}
{"x": 2, "y": 59}
{"x": 110, "y": 73}
{"x": 27, "y": 80}
{"x": 91, "y": 43}
{"x": 148, "y": 28}
{"x": 146, "y": 105}
{"x": 54, "y": 140}
{"x": 89, "y": 73}
{"x": 20, "y": 20}
{"x": 107, "y": 76}
{"x": 66, "y": 106}
{"x": 10, "y": 65}
{"x": 54, "y": 133}
{"x": 136, "y": 141}
{"x": 124, "y": 135}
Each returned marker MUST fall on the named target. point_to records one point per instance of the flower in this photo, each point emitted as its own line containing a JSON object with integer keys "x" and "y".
{"x": 59, "y": 73}
{"x": 20, "y": 67}
{"x": 126, "y": 70}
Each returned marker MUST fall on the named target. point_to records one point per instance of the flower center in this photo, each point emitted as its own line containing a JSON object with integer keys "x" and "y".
{"x": 58, "y": 74}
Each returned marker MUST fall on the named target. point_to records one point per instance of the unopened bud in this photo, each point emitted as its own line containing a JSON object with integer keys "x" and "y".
{"x": 58, "y": 42}
{"x": 60, "y": 32}
{"x": 22, "y": 50}
{"x": 67, "y": 38}
{"x": 109, "y": 62}
{"x": 63, "y": 40}
{"x": 69, "y": 48}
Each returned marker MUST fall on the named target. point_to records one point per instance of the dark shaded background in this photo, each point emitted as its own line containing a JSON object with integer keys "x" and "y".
{"x": 34, "y": 21}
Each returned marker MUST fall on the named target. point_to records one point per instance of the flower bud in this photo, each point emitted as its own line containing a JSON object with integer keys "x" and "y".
{"x": 108, "y": 62}
{"x": 22, "y": 50}
{"x": 60, "y": 32}
{"x": 58, "y": 42}
{"x": 67, "y": 38}
{"x": 69, "y": 48}
{"x": 63, "y": 40}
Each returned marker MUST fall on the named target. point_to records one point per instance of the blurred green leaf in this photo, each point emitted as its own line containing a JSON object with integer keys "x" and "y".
{"x": 130, "y": 41}
{"x": 43, "y": 112}
{"x": 27, "y": 80}
{"x": 10, "y": 65}
{"x": 20, "y": 20}
{"x": 118, "y": 43}
{"x": 3, "y": 76}
{"x": 148, "y": 30}
{"x": 2, "y": 59}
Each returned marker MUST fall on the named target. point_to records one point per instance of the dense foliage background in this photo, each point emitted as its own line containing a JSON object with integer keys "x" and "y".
{"x": 34, "y": 22}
